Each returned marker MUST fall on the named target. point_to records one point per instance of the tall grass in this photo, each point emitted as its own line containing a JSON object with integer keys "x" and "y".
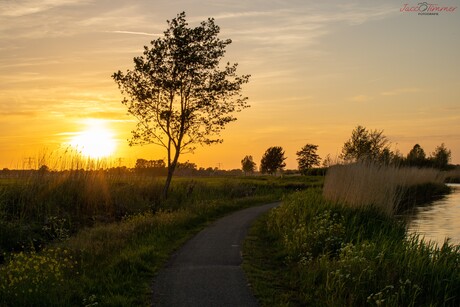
{"x": 367, "y": 184}
{"x": 311, "y": 252}
{"x": 44, "y": 206}
{"x": 38, "y": 207}
{"x": 77, "y": 233}
{"x": 453, "y": 175}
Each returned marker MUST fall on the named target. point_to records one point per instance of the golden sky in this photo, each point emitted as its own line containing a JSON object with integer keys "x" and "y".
{"x": 318, "y": 70}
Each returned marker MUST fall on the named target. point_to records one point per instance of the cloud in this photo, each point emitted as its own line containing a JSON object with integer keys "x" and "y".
{"x": 135, "y": 33}
{"x": 282, "y": 34}
{"x": 55, "y": 19}
{"x": 234, "y": 15}
{"x": 113, "y": 116}
{"x": 18, "y": 113}
{"x": 400, "y": 91}
{"x": 360, "y": 98}
{"x": 20, "y": 8}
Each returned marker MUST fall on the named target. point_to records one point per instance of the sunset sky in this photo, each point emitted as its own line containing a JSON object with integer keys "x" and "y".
{"x": 319, "y": 68}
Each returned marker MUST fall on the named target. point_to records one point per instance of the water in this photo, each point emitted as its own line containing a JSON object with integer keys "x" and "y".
{"x": 440, "y": 219}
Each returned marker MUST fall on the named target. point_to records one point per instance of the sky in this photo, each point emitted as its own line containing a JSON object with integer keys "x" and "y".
{"x": 318, "y": 69}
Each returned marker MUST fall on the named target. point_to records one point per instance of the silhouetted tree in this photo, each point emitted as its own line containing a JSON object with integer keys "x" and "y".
{"x": 151, "y": 167}
{"x": 365, "y": 145}
{"x": 179, "y": 92}
{"x": 142, "y": 163}
{"x": 248, "y": 165}
{"x": 307, "y": 158}
{"x": 416, "y": 157}
{"x": 186, "y": 168}
{"x": 327, "y": 161}
{"x": 440, "y": 158}
{"x": 44, "y": 169}
{"x": 272, "y": 160}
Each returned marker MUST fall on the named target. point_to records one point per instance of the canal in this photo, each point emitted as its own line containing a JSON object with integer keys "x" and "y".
{"x": 438, "y": 220}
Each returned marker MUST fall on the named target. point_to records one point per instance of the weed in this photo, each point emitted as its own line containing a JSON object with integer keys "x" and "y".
{"x": 29, "y": 278}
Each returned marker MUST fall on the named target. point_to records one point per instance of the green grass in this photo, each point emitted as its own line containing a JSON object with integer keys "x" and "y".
{"x": 114, "y": 253}
{"x": 310, "y": 252}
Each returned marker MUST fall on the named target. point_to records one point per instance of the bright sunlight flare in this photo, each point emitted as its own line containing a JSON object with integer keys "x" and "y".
{"x": 96, "y": 141}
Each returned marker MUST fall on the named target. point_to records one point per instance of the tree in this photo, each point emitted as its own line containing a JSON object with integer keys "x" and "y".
{"x": 441, "y": 157}
{"x": 327, "y": 162}
{"x": 416, "y": 157}
{"x": 307, "y": 157}
{"x": 248, "y": 165}
{"x": 142, "y": 163}
{"x": 365, "y": 145}
{"x": 272, "y": 160}
{"x": 179, "y": 92}
{"x": 44, "y": 169}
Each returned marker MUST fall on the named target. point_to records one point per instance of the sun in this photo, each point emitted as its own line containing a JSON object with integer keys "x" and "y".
{"x": 96, "y": 141}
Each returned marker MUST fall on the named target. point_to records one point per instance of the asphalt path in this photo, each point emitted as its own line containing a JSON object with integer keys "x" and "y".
{"x": 207, "y": 271}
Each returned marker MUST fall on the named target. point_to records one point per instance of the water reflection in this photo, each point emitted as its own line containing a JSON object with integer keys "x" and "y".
{"x": 440, "y": 219}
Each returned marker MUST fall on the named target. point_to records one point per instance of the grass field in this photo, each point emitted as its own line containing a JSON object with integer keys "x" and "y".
{"x": 81, "y": 238}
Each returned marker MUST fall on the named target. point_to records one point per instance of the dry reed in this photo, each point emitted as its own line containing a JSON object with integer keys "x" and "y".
{"x": 367, "y": 184}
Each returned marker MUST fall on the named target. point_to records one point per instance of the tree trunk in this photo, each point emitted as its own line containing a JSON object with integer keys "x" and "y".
{"x": 168, "y": 182}
{"x": 171, "y": 169}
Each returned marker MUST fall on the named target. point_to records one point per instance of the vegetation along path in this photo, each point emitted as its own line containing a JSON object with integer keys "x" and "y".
{"x": 207, "y": 271}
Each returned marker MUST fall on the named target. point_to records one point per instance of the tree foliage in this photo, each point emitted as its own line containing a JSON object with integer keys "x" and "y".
{"x": 143, "y": 163}
{"x": 307, "y": 157}
{"x": 179, "y": 92}
{"x": 416, "y": 156}
{"x": 248, "y": 165}
{"x": 366, "y": 145}
{"x": 441, "y": 157}
{"x": 272, "y": 160}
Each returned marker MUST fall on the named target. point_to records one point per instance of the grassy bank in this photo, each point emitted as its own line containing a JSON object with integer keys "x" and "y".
{"x": 95, "y": 255}
{"x": 312, "y": 252}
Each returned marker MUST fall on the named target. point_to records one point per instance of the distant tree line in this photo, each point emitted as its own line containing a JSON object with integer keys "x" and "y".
{"x": 373, "y": 146}
{"x": 364, "y": 145}
{"x": 272, "y": 161}
{"x": 159, "y": 168}
{"x": 439, "y": 158}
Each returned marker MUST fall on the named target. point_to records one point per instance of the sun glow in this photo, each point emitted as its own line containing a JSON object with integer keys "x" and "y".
{"x": 97, "y": 141}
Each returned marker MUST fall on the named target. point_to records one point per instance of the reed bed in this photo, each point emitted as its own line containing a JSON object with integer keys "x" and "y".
{"x": 384, "y": 187}
{"x": 453, "y": 175}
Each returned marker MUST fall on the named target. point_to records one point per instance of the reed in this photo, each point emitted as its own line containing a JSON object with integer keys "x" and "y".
{"x": 453, "y": 175}
{"x": 367, "y": 184}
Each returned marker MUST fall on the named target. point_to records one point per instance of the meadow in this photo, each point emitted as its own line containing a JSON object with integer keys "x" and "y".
{"x": 87, "y": 237}
{"x": 344, "y": 245}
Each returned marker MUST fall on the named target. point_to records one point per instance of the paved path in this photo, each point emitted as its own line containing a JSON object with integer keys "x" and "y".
{"x": 206, "y": 271}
